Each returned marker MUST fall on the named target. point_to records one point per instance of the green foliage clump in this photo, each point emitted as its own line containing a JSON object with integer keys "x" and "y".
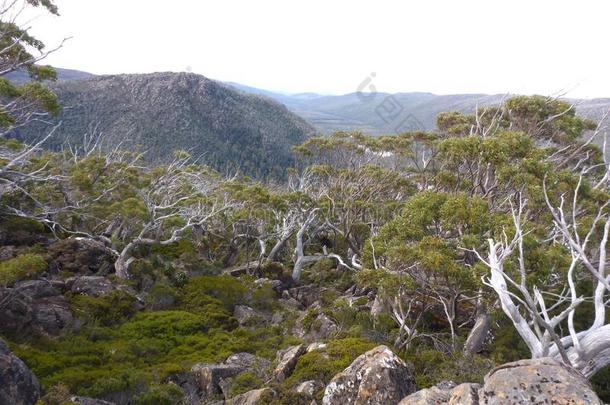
{"x": 245, "y": 382}
{"x": 161, "y": 394}
{"x": 135, "y": 359}
{"x": 107, "y": 310}
{"x": 226, "y": 289}
{"x": 433, "y": 366}
{"x": 20, "y": 268}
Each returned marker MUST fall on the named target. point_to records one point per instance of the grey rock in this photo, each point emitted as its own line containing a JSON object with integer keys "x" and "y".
{"x": 90, "y": 401}
{"x": 18, "y": 386}
{"x": 52, "y": 315}
{"x": 251, "y": 397}
{"x": 39, "y": 288}
{"x": 94, "y": 286}
{"x": 245, "y": 314}
{"x": 536, "y": 381}
{"x": 376, "y": 377}
{"x": 287, "y": 360}
{"x": 209, "y": 376}
{"x": 309, "y": 388}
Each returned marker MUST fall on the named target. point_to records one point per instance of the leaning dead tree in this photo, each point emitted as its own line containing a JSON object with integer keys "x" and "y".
{"x": 540, "y": 316}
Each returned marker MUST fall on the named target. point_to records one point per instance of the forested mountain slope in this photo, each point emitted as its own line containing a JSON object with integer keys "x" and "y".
{"x": 163, "y": 112}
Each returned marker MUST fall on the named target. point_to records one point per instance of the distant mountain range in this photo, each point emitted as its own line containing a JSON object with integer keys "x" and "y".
{"x": 236, "y": 127}
{"x": 163, "y": 112}
{"x": 386, "y": 113}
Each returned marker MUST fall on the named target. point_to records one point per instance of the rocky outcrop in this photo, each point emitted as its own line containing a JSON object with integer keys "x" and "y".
{"x": 18, "y": 386}
{"x": 376, "y": 377}
{"x": 34, "y": 306}
{"x": 208, "y": 381}
{"x": 537, "y": 381}
{"x": 287, "y": 360}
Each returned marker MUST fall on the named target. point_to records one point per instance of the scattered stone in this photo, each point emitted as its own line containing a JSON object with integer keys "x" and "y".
{"x": 287, "y": 360}
{"x": 245, "y": 314}
{"x": 316, "y": 346}
{"x": 80, "y": 256}
{"x": 94, "y": 286}
{"x": 309, "y": 388}
{"x": 209, "y": 376}
{"x": 376, "y": 377}
{"x": 18, "y": 386}
{"x": 90, "y": 401}
{"x": 248, "y": 361}
{"x": 306, "y": 295}
{"x": 252, "y": 397}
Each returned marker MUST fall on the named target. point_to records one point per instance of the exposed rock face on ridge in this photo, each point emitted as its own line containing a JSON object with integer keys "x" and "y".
{"x": 18, "y": 386}
{"x": 376, "y": 377}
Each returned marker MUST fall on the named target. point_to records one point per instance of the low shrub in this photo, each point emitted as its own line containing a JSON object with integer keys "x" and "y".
{"x": 20, "y": 268}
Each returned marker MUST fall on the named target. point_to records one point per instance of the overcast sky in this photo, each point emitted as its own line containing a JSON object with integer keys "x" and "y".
{"x": 332, "y": 46}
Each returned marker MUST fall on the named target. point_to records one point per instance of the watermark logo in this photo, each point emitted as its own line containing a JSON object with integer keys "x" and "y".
{"x": 390, "y": 110}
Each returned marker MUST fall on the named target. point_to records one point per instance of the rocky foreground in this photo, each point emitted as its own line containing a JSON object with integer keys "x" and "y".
{"x": 376, "y": 377}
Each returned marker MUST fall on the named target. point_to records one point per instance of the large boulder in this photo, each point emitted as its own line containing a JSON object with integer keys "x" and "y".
{"x": 537, "y": 381}
{"x": 18, "y": 386}
{"x": 376, "y": 377}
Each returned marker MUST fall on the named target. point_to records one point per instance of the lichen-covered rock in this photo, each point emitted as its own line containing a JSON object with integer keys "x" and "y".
{"x": 18, "y": 386}
{"x": 309, "y": 388}
{"x": 537, "y": 381}
{"x": 376, "y": 377}
{"x": 287, "y": 360}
